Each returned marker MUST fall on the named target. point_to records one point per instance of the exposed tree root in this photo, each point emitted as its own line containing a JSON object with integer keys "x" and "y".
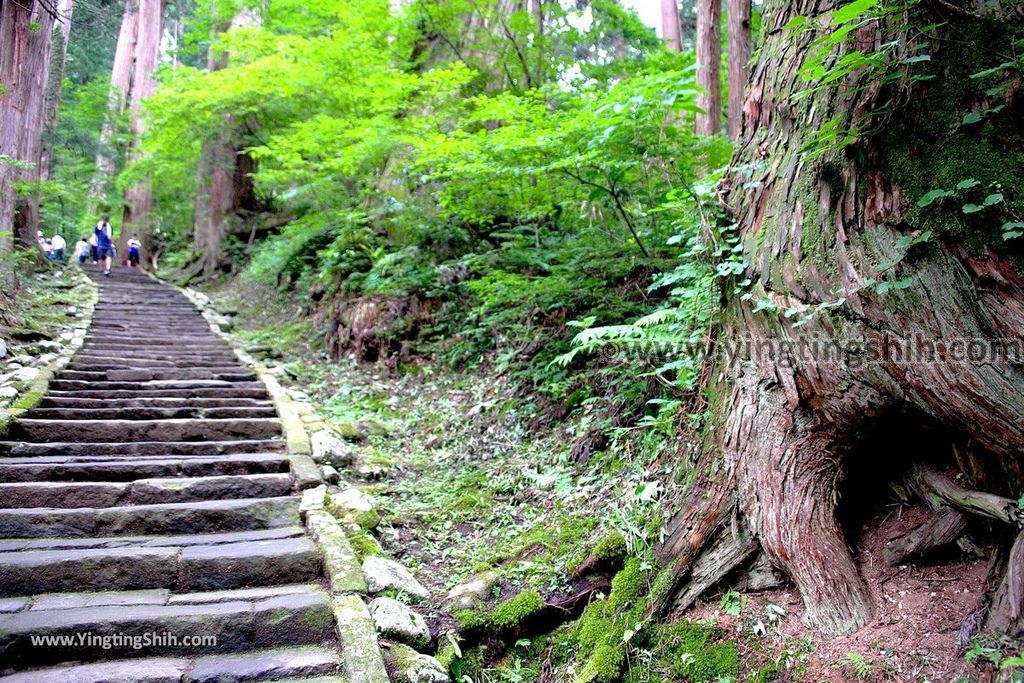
{"x": 944, "y": 527}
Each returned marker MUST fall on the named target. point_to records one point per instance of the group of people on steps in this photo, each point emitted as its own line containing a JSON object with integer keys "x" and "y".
{"x": 100, "y": 248}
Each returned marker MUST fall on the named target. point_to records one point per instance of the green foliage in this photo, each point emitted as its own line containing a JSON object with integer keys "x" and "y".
{"x": 963, "y": 179}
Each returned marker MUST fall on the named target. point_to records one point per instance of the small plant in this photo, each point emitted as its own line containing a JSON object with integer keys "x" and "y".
{"x": 855, "y": 662}
{"x": 732, "y": 603}
{"x": 981, "y": 649}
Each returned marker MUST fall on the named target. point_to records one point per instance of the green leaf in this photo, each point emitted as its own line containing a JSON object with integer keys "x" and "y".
{"x": 993, "y": 199}
{"x": 1012, "y": 230}
{"x": 797, "y": 22}
{"x": 972, "y": 208}
{"x": 888, "y": 285}
{"x": 967, "y": 184}
{"x": 851, "y": 11}
{"x": 929, "y": 197}
{"x": 973, "y": 117}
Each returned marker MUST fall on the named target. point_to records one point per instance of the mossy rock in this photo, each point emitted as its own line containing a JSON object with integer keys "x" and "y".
{"x": 365, "y": 545}
{"x": 350, "y": 431}
{"x": 516, "y": 610}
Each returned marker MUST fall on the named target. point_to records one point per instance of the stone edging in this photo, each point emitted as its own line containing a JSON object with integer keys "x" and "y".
{"x": 41, "y": 384}
{"x": 360, "y": 649}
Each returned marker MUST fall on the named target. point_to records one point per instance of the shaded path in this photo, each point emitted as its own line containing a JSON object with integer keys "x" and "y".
{"x": 147, "y": 501}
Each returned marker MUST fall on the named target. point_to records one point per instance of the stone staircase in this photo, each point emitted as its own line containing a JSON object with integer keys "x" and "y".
{"x": 149, "y": 525}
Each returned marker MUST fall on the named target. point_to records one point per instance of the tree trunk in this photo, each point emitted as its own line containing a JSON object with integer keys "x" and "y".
{"x": 120, "y": 87}
{"x": 791, "y": 404}
{"x": 738, "y": 29}
{"x": 27, "y": 31}
{"x": 709, "y": 66}
{"x": 138, "y": 199}
{"x": 224, "y": 185}
{"x": 670, "y": 25}
{"x": 55, "y": 81}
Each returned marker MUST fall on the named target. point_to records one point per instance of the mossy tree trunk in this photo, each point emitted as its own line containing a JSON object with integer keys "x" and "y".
{"x": 120, "y": 86}
{"x": 786, "y": 418}
{"x": 26, "y": 32}
{"x": 224, "y": 186}
{"x": 138, "y": 199}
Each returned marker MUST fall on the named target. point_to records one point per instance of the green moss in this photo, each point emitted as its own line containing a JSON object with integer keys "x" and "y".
{"x": 929, "y": 146}
{"x": 514, "y": 611}
{"x": 469, "y": 664}
{"x": 471, "y": 619}
{"x": 604, "y": 665}
{"x": 364, "y": 545}
{"x": 628, "y": 585}
{"x": 601, "y": 629}
{"x": 611, "y": 547}
{"x": 368, "y": 519}
{"x": 687, "y": 651}
{"x": 27, "y": 400}
{"x": 348, "y": 430}
{"x": 446, "y": 655}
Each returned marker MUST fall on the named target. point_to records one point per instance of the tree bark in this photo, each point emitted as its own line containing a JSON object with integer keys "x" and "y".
{"x": 670, "y": 25}
{"x": 120, "y": 87}
{"x": 709, "y": 66}
{"x": 791, "y": 404}
{"x": 27, "y": 31}
{"x": 55, "y": 81}
{"x": 138, "y": 199}
{"x": 738, "y": 29}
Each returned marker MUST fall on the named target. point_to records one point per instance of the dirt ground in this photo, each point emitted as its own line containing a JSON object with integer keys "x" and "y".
{"x": 916, "y": 632}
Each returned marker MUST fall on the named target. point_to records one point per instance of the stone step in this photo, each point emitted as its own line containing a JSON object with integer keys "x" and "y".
{"x": 142, "y": 491}
{"x": 13, "y": 470}
{"x": 222, "y": 392}
{"x": 159, "y": 448}
{"x": 128, "y": 413}
{"x": 185, "y": 568}
{"x": 187, "y": 625}
{"x": 210, "y": 516}
{"x": 155, "y": 385}
{"x": 94, "y": 362}
{"x": 152, "y": 402}
{"x": 190, "y": 328}
{"x": 17, "y": 544}
{"x": 225, "y": 374}
{"x": 121, "y": 431}
{"x": 163, "y": 342}
{"x": 244, "y": 667}
{"x": 153, "y": 349}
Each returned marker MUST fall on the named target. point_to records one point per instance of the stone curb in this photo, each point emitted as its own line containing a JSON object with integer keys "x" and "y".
{"x": 360, "y": 648}
{"x": 41, "y": 384}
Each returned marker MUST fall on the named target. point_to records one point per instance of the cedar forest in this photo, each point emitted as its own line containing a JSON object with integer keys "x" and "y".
{"x": 607, "y": 309}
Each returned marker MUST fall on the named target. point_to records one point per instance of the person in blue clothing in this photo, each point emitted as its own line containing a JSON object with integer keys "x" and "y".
{"x": 104, "y": 242}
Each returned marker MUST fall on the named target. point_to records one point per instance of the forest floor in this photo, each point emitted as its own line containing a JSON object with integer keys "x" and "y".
{"x": 916, "y": 632}
{"x": 472, "y": 487}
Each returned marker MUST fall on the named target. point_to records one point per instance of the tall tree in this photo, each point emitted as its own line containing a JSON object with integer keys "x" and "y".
{"x": 138, "y": 199}
{"x": 224, "y": 187}
{"x": 120, "y": 85}
{"x": 55, "y": 79}
{"x": 27, "y": 31}
{"x": 850, "y": 237}
{"x": 670, "y": 29}
{"x": 709, "y": 66}
{"x": 739, "y": 33}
